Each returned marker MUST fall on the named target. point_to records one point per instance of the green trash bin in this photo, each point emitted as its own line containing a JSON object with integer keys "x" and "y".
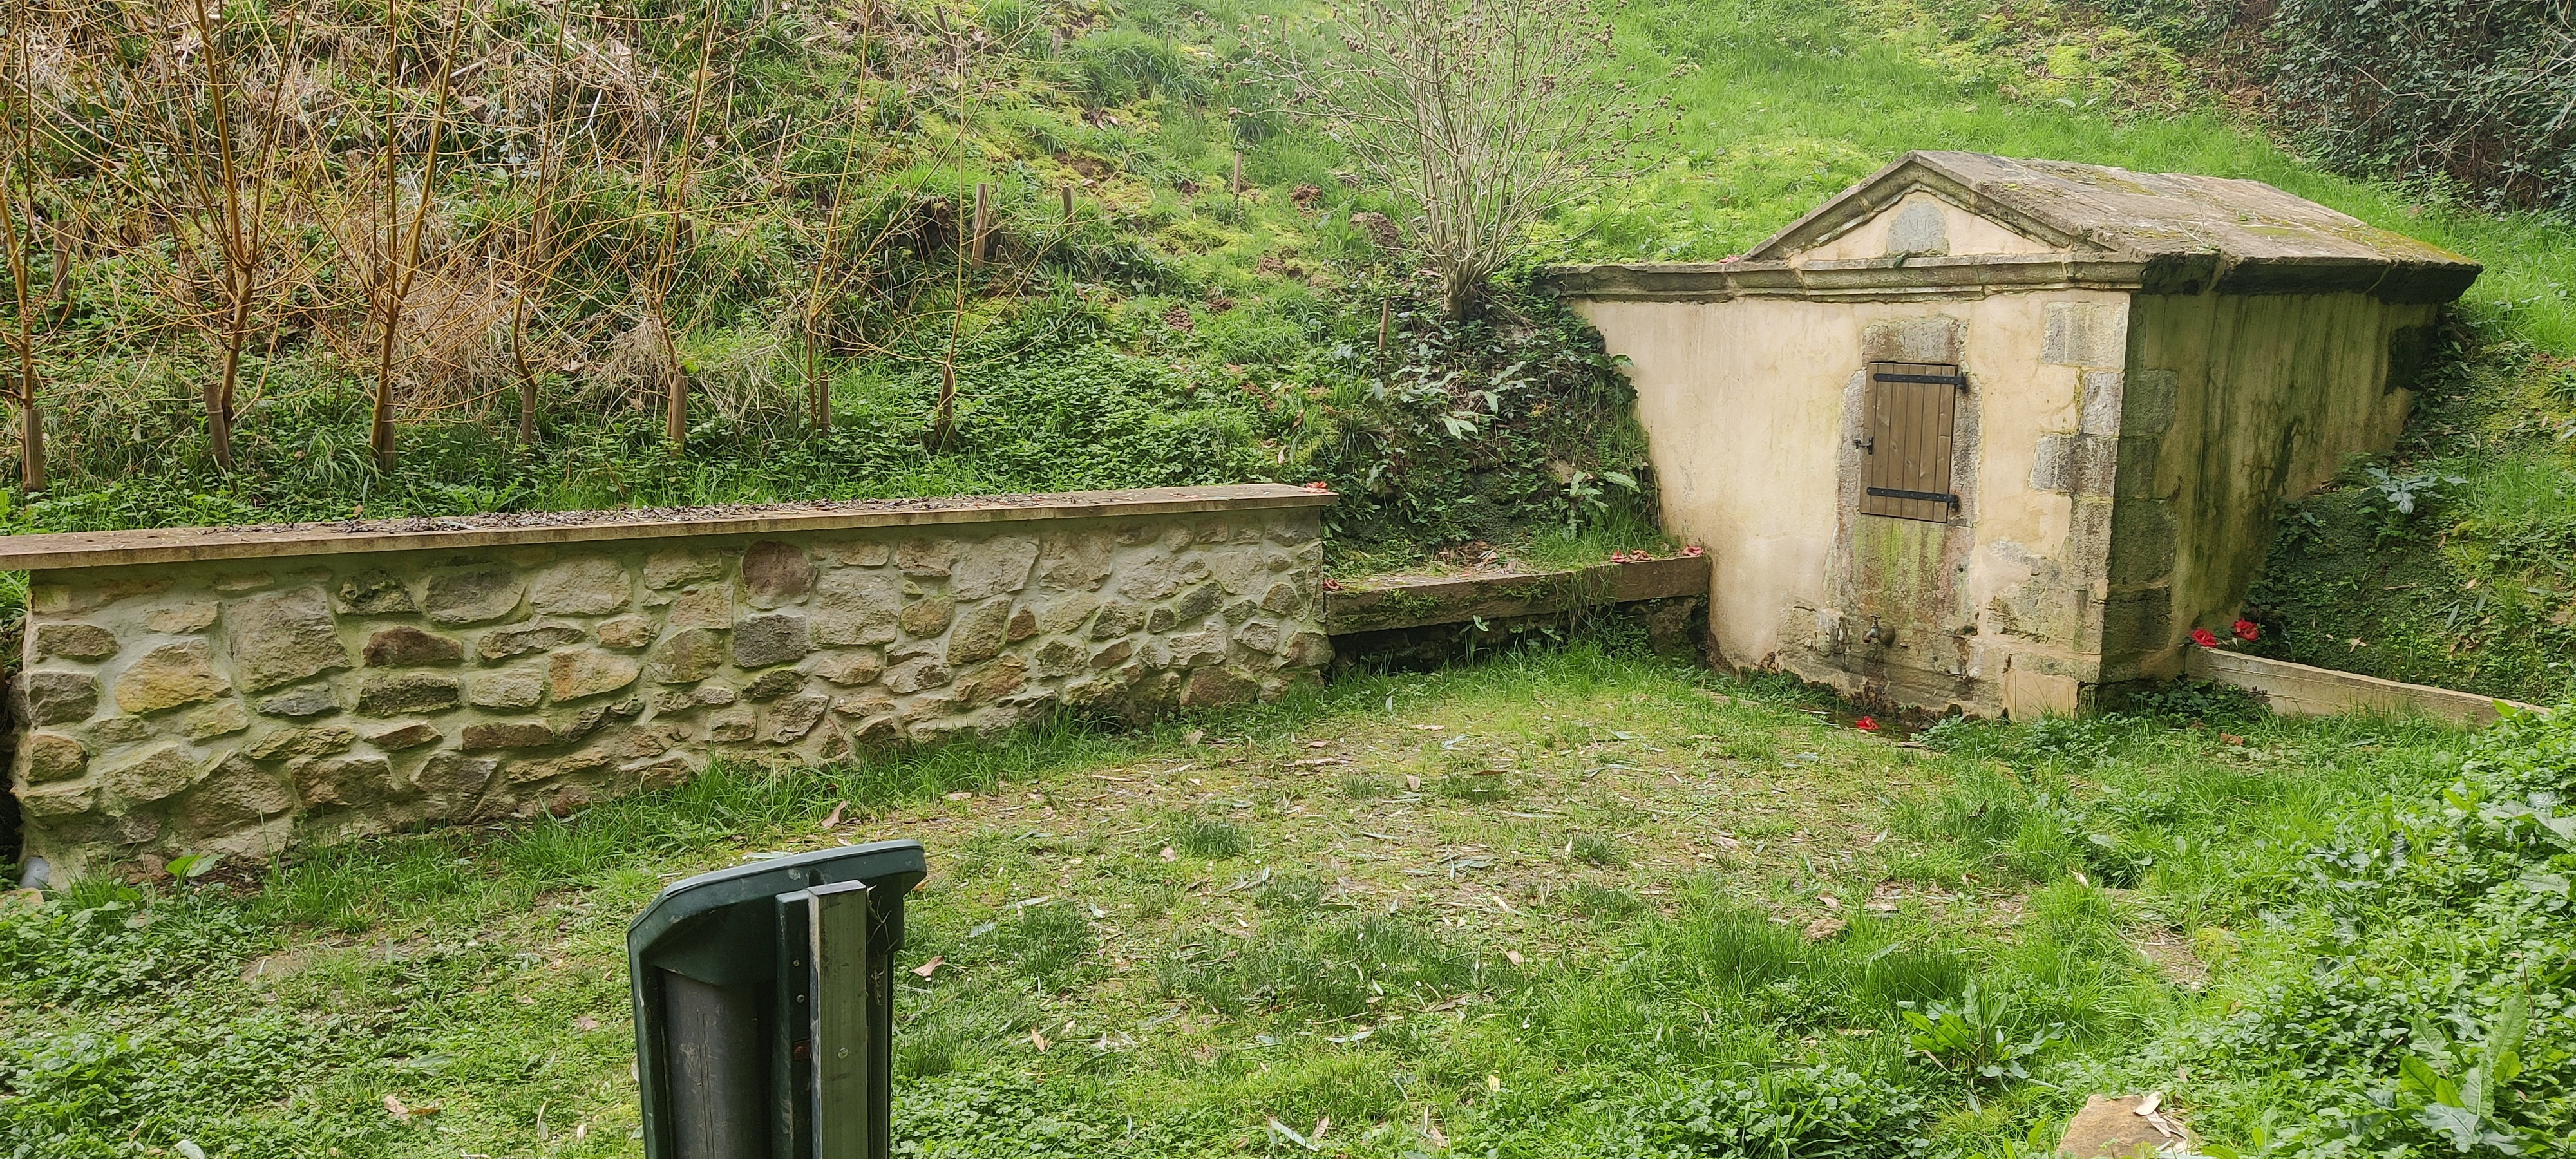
{"x": 764, "y": 1006}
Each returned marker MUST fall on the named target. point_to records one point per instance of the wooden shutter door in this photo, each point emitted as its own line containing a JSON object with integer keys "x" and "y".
{"x": 1905, "y": 458}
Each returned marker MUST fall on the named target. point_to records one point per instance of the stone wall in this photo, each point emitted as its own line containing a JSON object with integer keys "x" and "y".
{"x": 294, "y": 688}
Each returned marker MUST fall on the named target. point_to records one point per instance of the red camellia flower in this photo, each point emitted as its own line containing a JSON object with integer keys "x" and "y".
{"x": 1318, "y": 485}
{"x": 2204, "y": 637}
{"x": 2246, "y": 630}
{"x": 1865, "y": 724}
{"x": 1694, "y": 551}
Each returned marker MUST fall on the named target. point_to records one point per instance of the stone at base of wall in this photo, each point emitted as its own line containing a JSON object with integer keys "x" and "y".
{"x": 241, "y": 706}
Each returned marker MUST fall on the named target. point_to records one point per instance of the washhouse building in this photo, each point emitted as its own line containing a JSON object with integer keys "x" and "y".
{"x": 1993, "y": 434}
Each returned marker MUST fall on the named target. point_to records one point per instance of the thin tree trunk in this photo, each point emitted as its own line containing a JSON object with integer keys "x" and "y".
{"x": 21, "y": 157}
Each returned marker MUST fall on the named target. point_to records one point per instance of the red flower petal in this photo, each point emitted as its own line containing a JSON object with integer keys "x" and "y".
{"x": 2246, "y": 630}
{"x": 1865, "y": 724}
{"x": 2204, "y": 637}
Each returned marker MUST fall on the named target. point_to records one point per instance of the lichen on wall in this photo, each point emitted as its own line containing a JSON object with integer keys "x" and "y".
{"x": 242, "y": 706}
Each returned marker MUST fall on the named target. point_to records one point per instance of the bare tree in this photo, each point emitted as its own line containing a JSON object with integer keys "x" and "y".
{"x": 395, "y": 246}
{"x": 212, "y": 165}
{"x": 1484, "y": 114}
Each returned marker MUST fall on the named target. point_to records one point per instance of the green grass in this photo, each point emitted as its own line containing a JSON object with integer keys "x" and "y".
{"x": 1621, "y": 948}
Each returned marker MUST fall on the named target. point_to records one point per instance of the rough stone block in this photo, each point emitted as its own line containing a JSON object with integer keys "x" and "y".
{"x": 1074, "y": 560}
{"x": 992, "y": 567}
{"x": 915, "y": 675}
{"x": 1307, "y": 650}
{"x": 484, "y": 736}
{"x": 1024, "y": 624}
{"x": 1114, "y": 655}
{"x": 179, "y": 619}
{"x": 771, "y": 639}
{"x": 861, "y": 552}
{"x": 1059, "y": 658}
{"x": 684, "y": 699}
{"x": 407, "y": 693}
{"x": 234, "y": 794}
{"x": 979, "y": 633}
{"x": 928, "y": 616}
{"x": 1260, "y": 636}
{"x": 121, "y": 730}
{"x": 222, "y": 718}
{"x": 533, "y": 636}
{"x": 60, "y": 697}
{"x": 686, "y": 657}
{"x": 572, "y": 675}
{"x": 707, "y": 607}
{"x": 1192, "y": 649}
{"x": 410, "y": 734}
{"x": 404, "y": 646}
{"x": 925, "y": 557}
{"x": 509, "y": 690}
{"x": 792, "y": 718}
{"x": 154, "y": 775}
{"x": 671, "y": 569}
{"x": 1066, "y": 612}
{"x": 583, "y": 763}
{"x": 1117, "y": 619}
{"x": 863, "y": 704}
{"x": 849, "y": 669}
{"x": 472, "y": 595}
{"x": 353, "y": 780}
{"x": 733, "y": 725}
{"x": 454, "y": 775}
{"x": 1288, "y": 597}
{"x": 74, "y": 641}
{"x": 857, "y": 607}
{"x": 311, "y": 700}
{"x": 775, "y": 574}
{"x": 1161, "y": 620}
{"x": 47, "y": 802}
{"x": 242, "y": 581}
{"x": 1215, "y": 687}
{"x": 587, "y": 586}
{"x": 626, "y": 632}
{"x": 773, "y": 684}
{"x": 282, "y": 637}
{"x": 995, "y": 681}
{"x": 172, "y": 675}
{"x": 376, "y": 593}
{"x": 1918, "y": 230}
{"x": 53, "y": 756}
{"x": 311, "y": 741}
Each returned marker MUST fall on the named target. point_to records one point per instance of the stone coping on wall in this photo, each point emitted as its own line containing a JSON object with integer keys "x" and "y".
{"x": 1386, "y": 603}
{"x": 2292, "y": 689}
{"x": 87, "y": 549}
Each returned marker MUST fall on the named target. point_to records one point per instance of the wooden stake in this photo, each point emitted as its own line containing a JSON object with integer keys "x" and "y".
{"x": 983, "y": 221}
{"x": 1385, "y": 318}
{"x": 1238, "y": 175}
{"x": 1068, "y": 206}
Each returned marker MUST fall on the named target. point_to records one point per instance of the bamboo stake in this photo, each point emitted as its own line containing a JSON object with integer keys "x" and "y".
{"x": 1068, "y": 206}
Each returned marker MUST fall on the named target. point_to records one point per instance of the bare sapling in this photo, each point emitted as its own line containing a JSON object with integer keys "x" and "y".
{"x": 663, "y": 274}
{"x": 1483, "y": 115}
{"x": 20, "y": 219}
{"x": 539, "y": 252}
{"x": 213, "y": 167}
{"x": 398, "y": 242}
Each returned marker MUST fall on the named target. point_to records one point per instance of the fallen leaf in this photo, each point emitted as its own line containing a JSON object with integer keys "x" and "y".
{"x": 930, "y": 967}
{"x": 1494, "y": 1083}
{"x": 188, "y": 1149}
{"x": 961, "y": 795}
{"x": 1194, "y": 736}
{"x": 585, "y": 1024}
{"x": 835, "y": 817}
{"x": 1430, "y": 727}
{"x": 1168, "y": 855}
{"x": 2080, "y": 879}
{"x": 1824, "y": 928}
{"x": 1321, "y": 1125}
{"x": 1319, "y": 744}
{"x": 1831, "y": 902}
{"x": 395, "y": 1107}
{"x": 2231, "y": 738}
{"x": 1412, "y": 782}
{"x": 1038, "y": 1040}
{"x": 1512, "y": 956}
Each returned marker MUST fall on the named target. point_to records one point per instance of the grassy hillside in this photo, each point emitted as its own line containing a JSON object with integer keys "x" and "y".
{"x": 1178, "y": 331}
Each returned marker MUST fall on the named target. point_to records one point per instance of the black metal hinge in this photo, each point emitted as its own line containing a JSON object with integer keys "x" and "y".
{"x": 1942, "y": 379}
{"x": 1926, "y": 496}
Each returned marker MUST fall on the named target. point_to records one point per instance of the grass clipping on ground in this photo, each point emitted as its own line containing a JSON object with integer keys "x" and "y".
{"x": 1562, "y": 903}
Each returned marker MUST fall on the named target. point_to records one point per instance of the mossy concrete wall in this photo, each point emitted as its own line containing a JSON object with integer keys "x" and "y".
{"x": 299, "y": 689}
